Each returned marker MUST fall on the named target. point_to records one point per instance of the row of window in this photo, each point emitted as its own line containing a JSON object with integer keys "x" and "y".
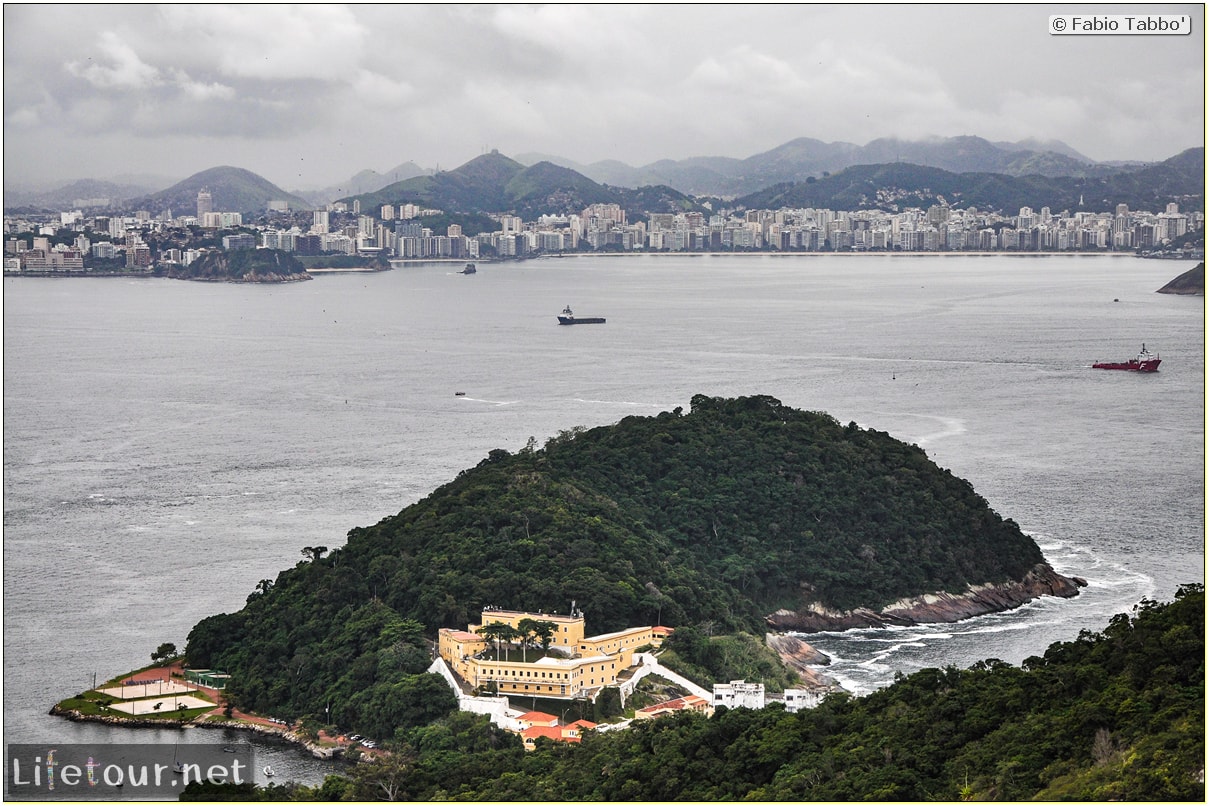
{"x": 543, "y": 675}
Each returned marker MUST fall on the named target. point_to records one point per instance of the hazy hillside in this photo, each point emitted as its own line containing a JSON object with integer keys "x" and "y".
{"x": 235, "y": 190}
{"x": 477, "y": 186}
{"x": 65, "y": 197}
{"x": 1041, "y": 146}
{"x": 366, "y": 181}
{"x": 900, "y": 185}
{"x": 805, "y": 157}
{"x": 549, "y": 188}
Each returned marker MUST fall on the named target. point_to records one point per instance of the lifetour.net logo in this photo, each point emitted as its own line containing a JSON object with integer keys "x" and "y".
{"x": 121, "y": 771}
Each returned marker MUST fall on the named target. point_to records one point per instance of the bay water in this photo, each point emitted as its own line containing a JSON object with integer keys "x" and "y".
{"x": 169, "y": 444}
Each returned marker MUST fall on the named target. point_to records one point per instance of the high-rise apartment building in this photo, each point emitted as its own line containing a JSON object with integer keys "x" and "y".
{"x": 205, "y": 204}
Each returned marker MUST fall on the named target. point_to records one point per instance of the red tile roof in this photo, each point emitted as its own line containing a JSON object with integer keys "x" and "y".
{"x": 538, "y": 718}
{"x": 557, "y": 734}
{"x": 462, "y": 635}
{"x": 691, "y": 702}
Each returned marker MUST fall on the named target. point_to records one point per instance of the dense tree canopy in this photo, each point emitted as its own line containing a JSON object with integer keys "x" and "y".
{"x": 724, "y": 514}
{"x": 240, "y": 263}
{"x": 1117, "y": 715}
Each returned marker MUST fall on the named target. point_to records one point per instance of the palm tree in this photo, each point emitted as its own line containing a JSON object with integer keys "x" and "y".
{"x": 494, "y": 631}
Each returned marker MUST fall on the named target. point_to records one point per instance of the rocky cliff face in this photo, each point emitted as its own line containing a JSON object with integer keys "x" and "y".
{"x": 802, "y": 658}
{"x": 933, "y": 608}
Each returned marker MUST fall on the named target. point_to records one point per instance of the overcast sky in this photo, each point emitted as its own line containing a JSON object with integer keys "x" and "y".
{"x": 307, "y": 96}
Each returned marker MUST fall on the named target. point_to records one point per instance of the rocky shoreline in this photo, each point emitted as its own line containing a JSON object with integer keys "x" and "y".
{"x": 803, "y": 659}
{"x": 932, "y": 608}
{"x": 247, "y": 278}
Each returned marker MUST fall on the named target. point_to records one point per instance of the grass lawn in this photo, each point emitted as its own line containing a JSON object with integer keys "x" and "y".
{"x": 94, "y": 703}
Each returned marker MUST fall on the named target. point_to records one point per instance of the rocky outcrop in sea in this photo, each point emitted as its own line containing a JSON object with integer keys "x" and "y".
{"x": 933, "y": 608}
{"x": 802, "y": 658}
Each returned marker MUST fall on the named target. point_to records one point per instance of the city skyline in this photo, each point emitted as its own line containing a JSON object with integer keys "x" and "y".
{"x": 308, "y": 96}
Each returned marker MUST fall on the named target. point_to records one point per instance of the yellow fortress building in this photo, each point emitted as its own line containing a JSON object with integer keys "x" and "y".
{"x": 576, "y": 666}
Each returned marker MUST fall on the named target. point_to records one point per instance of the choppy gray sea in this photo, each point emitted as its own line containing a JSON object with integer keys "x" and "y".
{"x": 169, "y": 444}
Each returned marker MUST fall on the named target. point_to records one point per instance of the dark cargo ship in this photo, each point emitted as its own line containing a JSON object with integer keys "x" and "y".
{"x": 567, "y": 317}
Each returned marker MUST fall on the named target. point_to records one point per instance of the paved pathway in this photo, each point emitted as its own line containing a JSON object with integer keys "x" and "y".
{"x": 652, "y": 666}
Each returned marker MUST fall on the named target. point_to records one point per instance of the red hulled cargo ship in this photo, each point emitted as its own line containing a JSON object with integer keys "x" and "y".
{"x": 1145, "y": 362}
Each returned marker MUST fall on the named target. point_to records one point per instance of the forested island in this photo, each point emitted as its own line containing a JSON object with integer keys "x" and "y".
{"x": 742, "y": 514}
{"x": 713, "y": 522}
{"x": 243, "y": 266}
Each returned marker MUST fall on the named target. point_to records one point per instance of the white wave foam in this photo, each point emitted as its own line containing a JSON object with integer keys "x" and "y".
{"x": 950, "y": 426}
{"x": 1014, "y": 627}
{"x": 620, "y": 403}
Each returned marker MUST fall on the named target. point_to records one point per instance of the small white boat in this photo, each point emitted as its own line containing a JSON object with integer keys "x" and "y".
{"x": 268, "y": 771}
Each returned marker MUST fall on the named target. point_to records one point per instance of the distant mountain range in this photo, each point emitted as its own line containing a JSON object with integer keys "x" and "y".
{"x": 899, "y": 185}
{"x": 887, "y": 173}
{"x": 495, "y": 183}
{"x": 805, "y": 157}
{"x": 365, "y": 181}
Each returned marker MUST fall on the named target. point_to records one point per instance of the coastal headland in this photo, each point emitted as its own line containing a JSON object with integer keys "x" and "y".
{"x": 161, "y": 697}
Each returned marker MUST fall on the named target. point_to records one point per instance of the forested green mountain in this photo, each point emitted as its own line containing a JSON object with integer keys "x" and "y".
{"x": 727, "y": 513}
{"x": 1112, "y": 716}
{"x": 493, "y": 183}
{"x": 897, "y": 186}
{"x": 233, "y": 190}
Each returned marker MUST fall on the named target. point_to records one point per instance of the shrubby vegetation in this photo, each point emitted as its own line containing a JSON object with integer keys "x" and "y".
{"x": 707, "y": 660}
{"x": 1117, "y": 715}
{"x": 239, "y": 263}
{"x": 721, "y": 515}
